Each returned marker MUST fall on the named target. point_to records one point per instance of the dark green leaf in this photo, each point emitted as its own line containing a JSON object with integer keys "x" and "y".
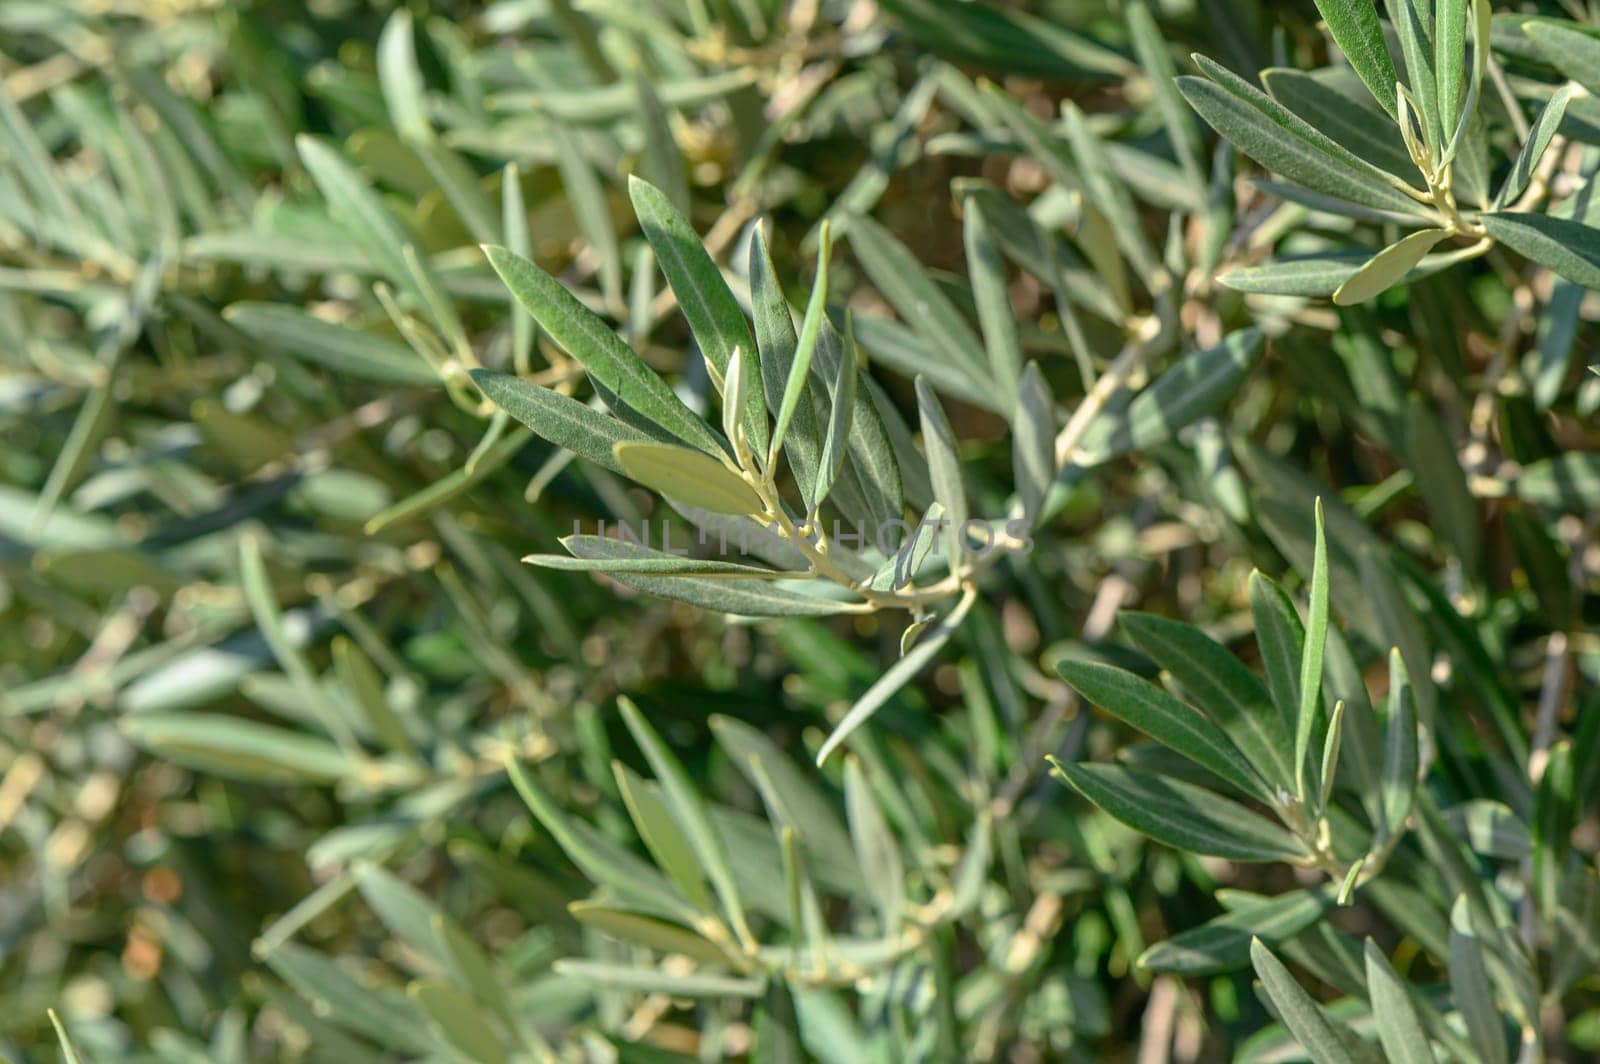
{"x": 1162, "y": 717}
{"x": 589, "y": 340}
{"x": 563, "y": 421}
{"x": 1181, "y": 815}
{"x": 1569, "y": 248}
{"x": 1220, "y": 685}
{"x": 1222, "y": 944}
{"x": 1323, "y": 1039}
{"x": 714, "y": 315}
{"x": 1356, "y": 30}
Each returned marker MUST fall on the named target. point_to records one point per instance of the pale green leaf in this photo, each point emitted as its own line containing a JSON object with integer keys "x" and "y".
{"x": 689, "y": 477}
{"x": 992, "y": 296}
{"x": 458, "y": 1020}
{"x": 647, "y": 931}
{"x": 1033, "y": 450}
{"x": 1388, "y": 267}
{"x": 1470, "y": 988}
{"x": 1399, "y": 1025}
{"x": 1325, "y": 1041}
{"x": 1571, "y": 50}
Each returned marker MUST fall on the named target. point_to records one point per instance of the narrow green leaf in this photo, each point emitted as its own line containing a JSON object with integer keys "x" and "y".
{"x": 661, "y": 835}
{"x": 714, "y": 315}
{"x": 404, "y": 91}
{"x": 672, "y": 984}
{"x": 912, "y": 560}
{"x": 590, "y": 207}
{"x": 1388, "y": 267}
{"x": 1196, "y": 386}
{"x": 1356, "y": 30}
{"x": 564, "y": 422}
{"x": 240, "y": 749}
{"x": 1317, "y": 1034}
{"x": 663, "y": 162}
{"x": 736, "y": 389}
{"x": 1222, "y": 944}
{"x": 1151, "y": 48}
{"x": 796, "y": 385}
{"x": 749, "y": 598}
{"x": 1575, "y": 53}
{"x": 1399, "y": 784}
{"x": 875, "y": 494}
{"x": 835, "y": 441}
{"x": 381, "y": 1014}
{"x": 609, "y": 361}
{"x": 1367, "y": 133}
{"x": 1399, "y": 1025}
{"x": 341, "y": 348}
{"x": 1033, "y": 442}
{"x": 1317, "y": 274}
{"x": 1491, "y": 828}
{"x": 1410, "y": 19}
{"x": 1162, "y": 717}
{"x": 800, "y": 435}
{"x": 688, "y": 813}
{"x": 589, "y": 555}
{"x": 897, "y": 676}
{"x": 1222, "y": 687}
{"x": 263, "y": 603}
{"x": 1181, "y": 815}
{"x": 403, "y": 909}
{"x": 351, "y": 199}
{"x": 1568, "y": 482}
{"x": 458, "y": 1020}
{"x": 647, "y": 931}
{"x": 1311, "y": 658}
{"x": 925, "y": 309}
{"x": 1331, "y": 742}
{"x": 1108, "y": 194}
{"x": 480, "y": 975}
{"x": 992, "y": 296}
{"x": 1557, "y": 343}
{"x": 811, "y": 811}
{"x": 1280, "y": 636}
{"x": 1470, "y": 989}
{"x": 361, "y": 679}
{"x": 601, "y": 859}
{"x": 70, "y": 1053}
{"x": 1450, "y": 61}
{"x": 621, "y": 99}
{"x": 1570, "y": 248}
{"x": 876, "y": 850}
{"x": 1280, "y": 140}
{"x": 944, "y": 469}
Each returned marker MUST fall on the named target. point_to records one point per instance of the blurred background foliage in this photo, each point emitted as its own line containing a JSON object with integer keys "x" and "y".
{"x": 267, "y": 650}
